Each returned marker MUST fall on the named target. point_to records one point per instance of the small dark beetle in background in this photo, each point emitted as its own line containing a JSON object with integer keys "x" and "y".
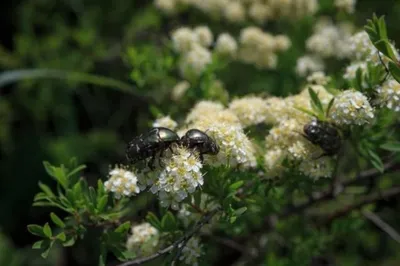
{"x": 198, "y": 140}
{"x": 157, "y": 140}
{"x": 325, "y": 135}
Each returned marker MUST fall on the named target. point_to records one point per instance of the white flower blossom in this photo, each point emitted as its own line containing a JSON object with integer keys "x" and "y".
{"x": 226, "y": 45}
{"x": 389, "y": 95}
{"x": 165, "y": 121}
{"x": 317, "y": 168}
{"x": 191, "y": 252}
{"x": 122, "y": 183}
{"x": 235, "y": 148}
{"x": 167, "y": 6}
{"x": 273, "y": 160}
{"x": 351, "y": 70}
{"x": 259, "y": 12}
{"x": 318, "y": 78}
{"x": 179, "y": 90}
{"x": 346, "y": 5}
{"x": 351, "y": 108}
{"x": 195, "y": 61}
{"x": 180, "y": 177}
{"x": 183, "y": 39}
{"x": 204, "y": 35}
{"x": 250, "y": 110}
{"x": 144, "y": 239}
{"x": 234, "y": 11}
{"x": 308, "y": 64}
{"x": 203, "y": 109}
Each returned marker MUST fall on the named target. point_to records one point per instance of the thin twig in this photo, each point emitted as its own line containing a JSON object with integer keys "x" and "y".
{"x": 371, "y": 198}
{"x": 226, "y": 242}
{"x": 382, "y": 225}
{"x": 205, "y": 219}
{"x": 328, "y": 195}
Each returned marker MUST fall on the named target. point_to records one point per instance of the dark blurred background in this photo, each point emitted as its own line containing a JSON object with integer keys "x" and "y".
{"x": 56, "y": 119}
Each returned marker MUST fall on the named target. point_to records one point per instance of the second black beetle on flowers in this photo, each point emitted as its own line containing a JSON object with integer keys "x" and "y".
{"x": 160, "y": 139}
{"x": 324, "y": 135}
{"x": 198, "y": 140}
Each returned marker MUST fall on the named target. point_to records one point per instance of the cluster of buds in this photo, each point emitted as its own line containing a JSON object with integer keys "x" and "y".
{"x": 241, "y": 11}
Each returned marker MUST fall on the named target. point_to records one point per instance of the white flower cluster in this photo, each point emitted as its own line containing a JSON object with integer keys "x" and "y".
{"x": 165, "y": 121}
{"x": 285, "y": 144}
{"x": 144, "y": 239}
{"x": 194, "y": 44}
{"x": 293, "y": 9}
{"x": 239, "y": 11}
{"x": 389, "y": 95}
{"x": 318, "y": 78}
{"x": 351, "y": 70}
{"x": 191, "y": 252}
{"x": 180, "y": 177}
{"x": 226, "y": 45}
{"x": 351, "y": 108}
{"x": 329, "y": 40}
{"x": 309, "y": 64}
{"x": 235, "y": 148}
{"x": 346, "y": 5}
{"x": 179, "y": 90}
{"x": 261, "y": 48}
{"x": 195, "y": 62}
{"x": 320, "y": 167}
{"x": 361, "y": 49}
{"x": 250, "y": 110}
{"x": 227, "y": 130}
{"x": 122, "y": 183}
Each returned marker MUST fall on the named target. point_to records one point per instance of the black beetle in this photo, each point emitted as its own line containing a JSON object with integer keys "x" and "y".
{"x": 157, "y": 140}
{"x": 325, "y": 135}
{"x": 199, "y": 141}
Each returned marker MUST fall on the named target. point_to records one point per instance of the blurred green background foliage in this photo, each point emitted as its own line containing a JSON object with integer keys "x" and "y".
{"x": 114, "y": 75}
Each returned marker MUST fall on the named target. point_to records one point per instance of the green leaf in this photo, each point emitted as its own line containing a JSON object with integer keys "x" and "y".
{"x": 49, "y": 168}
{"x": 306, "y": 111}
{"x": 61, "y": 236}
{"x": 232, "y": 219}
{"x": 100, "y": 189}
{"x": 103, "y": 255}
{"x": 47, "y": 230}
{"x": 40, "y": 196}
{"x": 316, "y": 101}
{"x": 70, "y": 241}
{"x": 240, "y": 211}
{"x": 358, "y": 84}
{"x": 47, "y": 250}
{"x": 8, "y": 77}
{"x": 38, "y": 244}
{"x": 330, "y": 104}
{"x": 391, "y": 146}
{"x": 376, "y": 161}
{"x": 168, "y": 222}
{"x": 57, "y": 220}
{"x": 76, "y": 170}
{"x": 395, "y": 71}
{"x": 46, "y": 190}
{"x": 153, "y": 220}
{"x": 235, "y": 186}
{"x": 123, "y": 228}
{"x": 36, "y": 230}
{"x": 102, "y": 202}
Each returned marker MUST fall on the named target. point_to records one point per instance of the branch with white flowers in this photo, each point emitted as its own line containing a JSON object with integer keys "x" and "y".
{"x": 177, "y": 244}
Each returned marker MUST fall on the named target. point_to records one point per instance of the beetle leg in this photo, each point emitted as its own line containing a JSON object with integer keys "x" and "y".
{"x": 201, "y": 158}
{"x": 150, "y": 164}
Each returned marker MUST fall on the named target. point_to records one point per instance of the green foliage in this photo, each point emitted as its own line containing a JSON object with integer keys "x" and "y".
{"x": 88, "y": 76}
